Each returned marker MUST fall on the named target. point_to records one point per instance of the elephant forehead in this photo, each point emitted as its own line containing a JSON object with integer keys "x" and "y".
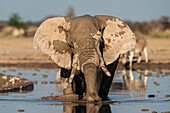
{"x": 61, "y": 47}
{"x": 85, "y": 43}
{"x": 82, "y": 19}
{"x": 85, "y": 23}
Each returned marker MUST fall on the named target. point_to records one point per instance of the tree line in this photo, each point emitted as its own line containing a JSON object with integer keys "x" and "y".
{"x": 145, "y": 27}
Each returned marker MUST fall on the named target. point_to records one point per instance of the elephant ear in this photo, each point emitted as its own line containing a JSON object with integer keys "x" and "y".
{"x": 50, "y": 38}
{"x": 118, "y": 38}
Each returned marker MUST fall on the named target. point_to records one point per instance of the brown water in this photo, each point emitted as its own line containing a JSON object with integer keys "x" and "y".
{"x": 132, "y": 91}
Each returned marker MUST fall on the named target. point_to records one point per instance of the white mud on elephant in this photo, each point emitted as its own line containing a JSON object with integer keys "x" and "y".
{"x": 87, "y": 49}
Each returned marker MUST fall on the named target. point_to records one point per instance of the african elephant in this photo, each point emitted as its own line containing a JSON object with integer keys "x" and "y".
{"x": 84, "y": 45}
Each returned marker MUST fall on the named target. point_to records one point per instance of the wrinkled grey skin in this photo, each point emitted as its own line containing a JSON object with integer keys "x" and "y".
{"x": 87, "y": 49}
{"x": 80, "y": 34}
{"x": 82, "y": 27}
{"x": 101, "y": 80}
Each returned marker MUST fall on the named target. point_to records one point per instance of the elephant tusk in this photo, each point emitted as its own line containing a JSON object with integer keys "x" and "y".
{"x": 103, "y": 67}
{"x": 74, "y": 68}
{"x": 72, "y": 74}
{"x": 106, "y": 71}
{"x": 69, "y": 80}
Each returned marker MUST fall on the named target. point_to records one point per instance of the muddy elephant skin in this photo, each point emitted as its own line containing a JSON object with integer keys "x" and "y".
{"x": 87, "y": 46}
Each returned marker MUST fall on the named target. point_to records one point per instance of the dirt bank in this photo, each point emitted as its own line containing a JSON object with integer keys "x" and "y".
{"x": 19, "y": 53}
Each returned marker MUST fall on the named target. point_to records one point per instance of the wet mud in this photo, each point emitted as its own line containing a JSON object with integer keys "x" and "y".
{"x": 64, "y": 98}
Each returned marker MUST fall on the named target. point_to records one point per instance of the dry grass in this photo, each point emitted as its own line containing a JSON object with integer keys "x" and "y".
{"x": 21, "y": 50}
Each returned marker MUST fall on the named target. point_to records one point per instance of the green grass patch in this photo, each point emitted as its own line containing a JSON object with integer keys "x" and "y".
{"x": 154, "y": 34}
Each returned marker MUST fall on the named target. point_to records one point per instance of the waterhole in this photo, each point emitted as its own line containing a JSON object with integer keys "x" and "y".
{"x": 132, "y": 91}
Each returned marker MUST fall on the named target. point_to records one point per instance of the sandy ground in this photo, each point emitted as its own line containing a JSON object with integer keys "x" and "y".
{"x": 159, "y": 50}
{"x": 20, "y": 51}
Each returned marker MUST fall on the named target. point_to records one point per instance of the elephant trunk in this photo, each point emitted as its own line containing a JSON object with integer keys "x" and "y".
{"x": 89, "y": 61}
{"x": 90, "y": 73}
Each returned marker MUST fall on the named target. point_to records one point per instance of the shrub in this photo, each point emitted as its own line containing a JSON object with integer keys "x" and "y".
{"x": 15, "y": 20}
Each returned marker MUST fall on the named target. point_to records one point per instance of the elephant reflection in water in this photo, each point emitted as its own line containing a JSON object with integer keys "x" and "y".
{"x": 87, "y": 108}
{"x": 130, "y": 82}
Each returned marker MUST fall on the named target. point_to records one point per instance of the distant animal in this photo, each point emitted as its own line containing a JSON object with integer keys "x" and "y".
{"x": 141, "y": 46}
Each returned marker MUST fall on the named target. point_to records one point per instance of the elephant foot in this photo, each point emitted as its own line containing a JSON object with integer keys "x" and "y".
{"x": 90, "y": 99}
{"x": 93, "y": 97}
{"x": 68, "y": 90}
{"x": 67, "y": 87}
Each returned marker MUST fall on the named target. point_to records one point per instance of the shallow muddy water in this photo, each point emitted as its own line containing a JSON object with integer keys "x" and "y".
{"x": 133, "y": 91}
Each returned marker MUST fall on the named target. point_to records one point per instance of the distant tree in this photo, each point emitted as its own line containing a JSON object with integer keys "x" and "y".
{"x": 130, "y": 24}
{"x": 137, "y": 27}
{"x": 70, "y": 12}
{"x": 156, "y": 25}
{"x": 2, "y": 25}
{"x": 165, "y": 20}
{"x": 16, "y": 21}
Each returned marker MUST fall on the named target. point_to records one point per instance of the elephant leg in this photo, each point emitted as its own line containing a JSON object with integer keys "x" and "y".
{"x": 68, "y": 76}
{"x": 106, "y": 81}
{"x": 67, "y": 87}
{"x": 79, "y": 85}
{"x": 68, "y": 81}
